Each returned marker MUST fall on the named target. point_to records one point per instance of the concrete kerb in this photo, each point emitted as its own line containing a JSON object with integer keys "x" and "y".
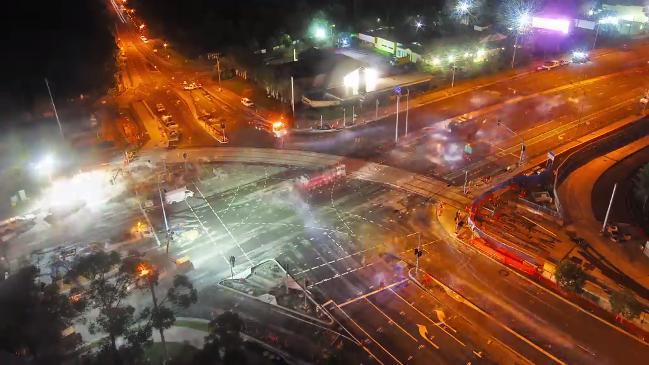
{"x": 245, "y": 337}
{"x": 459, "y": 298}
{"x": 318, "y": 306}
{"x": 542, "y": 287}
{"x": 297, "y": 158}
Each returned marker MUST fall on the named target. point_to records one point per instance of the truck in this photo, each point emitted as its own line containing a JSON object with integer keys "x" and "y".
{"x": 178, "y": 195}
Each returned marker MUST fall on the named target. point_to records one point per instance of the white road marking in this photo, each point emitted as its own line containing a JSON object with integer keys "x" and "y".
{"x": 391, "y": 321}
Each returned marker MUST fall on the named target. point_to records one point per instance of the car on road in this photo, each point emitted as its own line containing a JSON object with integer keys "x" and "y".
{"x": 549, "y": 65}
{"x": 165, "y": 118}
{"x": 174, "y": 137}
{"x": 160, "y": 108}
{"x": 190, "y": 86}
{"x": 144, "y": 39}
{"x": 247, "y": 102}
{"x": 580, "y": 57}
{"x": 172, "y": 125}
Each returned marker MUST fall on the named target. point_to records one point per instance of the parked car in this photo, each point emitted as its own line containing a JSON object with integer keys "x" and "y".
{"x": 247, "y": 102}
{"x": 549, "y": 65}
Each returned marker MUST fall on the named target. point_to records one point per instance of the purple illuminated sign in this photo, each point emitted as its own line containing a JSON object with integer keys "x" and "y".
{"x": 560, "y": 25}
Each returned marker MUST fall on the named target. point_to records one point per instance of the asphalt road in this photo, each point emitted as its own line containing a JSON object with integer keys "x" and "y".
{"x": 540, "y": 106}
{"x": 347, "y": 242}
{"x": 344, "y": 239}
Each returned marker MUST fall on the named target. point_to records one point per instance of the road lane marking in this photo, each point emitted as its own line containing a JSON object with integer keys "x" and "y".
{"x": 423, "y": 332}
{"x": 465, "y": 301}
{"x": 368, "y": 335}
{"x": 223, "y": 224}
{"x": 430, "y": 320}
{"x": 371, "y": 293}
{"x": 206, "y": 232}
{"x": 391, "y": 321}
{"x": 338, "y": 275}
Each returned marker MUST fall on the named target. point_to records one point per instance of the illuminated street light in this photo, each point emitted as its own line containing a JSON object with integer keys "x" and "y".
{"x": 463, "y": 7}
{"x": 320, "y": 33}
{"x": 142, "y": 26}
{"x": 46, "y": 166}
{"x": 165, "y": 44}
{"x": 419, "y": 25}
{"x": 523, "y": 21}
{"x": 147, "y": 272}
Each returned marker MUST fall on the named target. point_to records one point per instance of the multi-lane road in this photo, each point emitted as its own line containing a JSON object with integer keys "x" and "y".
{"x": 349, "y": 240}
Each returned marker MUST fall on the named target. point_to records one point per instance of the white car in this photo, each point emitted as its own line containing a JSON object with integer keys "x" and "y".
{"x": 247, "y": 102}
{"x": 160, "y": 108}
{"x": 549, "y": 65}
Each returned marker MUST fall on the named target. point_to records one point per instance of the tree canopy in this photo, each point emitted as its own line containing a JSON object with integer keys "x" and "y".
{"x": 570, "y": 276}
{"x": 33, "y": 318}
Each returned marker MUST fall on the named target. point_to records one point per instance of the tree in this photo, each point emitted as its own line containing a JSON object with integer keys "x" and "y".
{"x": 223, "y": 343}
{"x": 110, "y": 280}
{"x": 33, "y": 318}
{"x": 181, "y": 295}
{"x": 624, "y": 302}
{"x": 641, "y": 186}
{"x": 570, "y": 276}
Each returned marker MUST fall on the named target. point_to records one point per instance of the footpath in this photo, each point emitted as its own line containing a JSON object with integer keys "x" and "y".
{"x": 576, "y": 196}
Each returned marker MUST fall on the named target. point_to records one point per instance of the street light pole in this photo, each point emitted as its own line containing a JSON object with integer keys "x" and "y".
{"x": 407, "y": 109}
{"x": 292, "y": 97}
{"x": 56, "y": 114}
{"x": 376, "y": 110}
{"x": 453, "y": 78}
{"x": 515, "y": 47}
{"x": 344, "y": 117}
{"x": 418, "y": 251}
{"x": 396, "y": 125}
{"x": 522, "y": 155}
{"x": 164, "y": 215}
{"x": 596, "y": 35}
{"x": 610, "y": 203}
{"x": 218, "y": 70}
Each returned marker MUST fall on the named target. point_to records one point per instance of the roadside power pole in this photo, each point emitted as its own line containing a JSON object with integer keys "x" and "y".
{"x": 56, "y": 114}
{"x": 610, "y": 203}
{"x": 466, "y": 181}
